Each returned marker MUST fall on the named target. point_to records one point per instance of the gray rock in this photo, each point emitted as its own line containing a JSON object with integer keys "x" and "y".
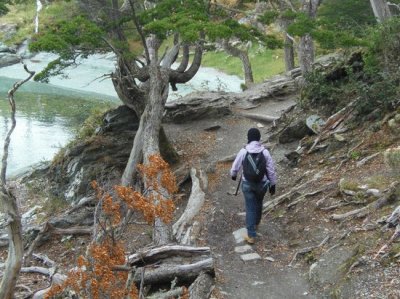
{"x": 315, "y": 123}
{"x": 105, "y": 153}
{"x": 294, "y": 132}
{"x": 7, "y": 59}
{"x": 82, "y": 217}
{"x": 250, "y": 257}
{"x": 243, "y": 249}
{"x": 8, "y": 30}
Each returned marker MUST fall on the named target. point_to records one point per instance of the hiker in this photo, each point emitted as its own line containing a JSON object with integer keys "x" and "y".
{"x": 258, "y": 177}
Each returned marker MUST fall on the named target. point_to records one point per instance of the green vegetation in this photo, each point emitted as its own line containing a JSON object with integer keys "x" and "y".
{"x": 23, "y": 15}
{"x": 265, "y": 63}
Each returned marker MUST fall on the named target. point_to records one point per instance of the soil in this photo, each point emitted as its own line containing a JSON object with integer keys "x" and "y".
{"x": 286, "y": 231}
{"x": 343, "y": 267}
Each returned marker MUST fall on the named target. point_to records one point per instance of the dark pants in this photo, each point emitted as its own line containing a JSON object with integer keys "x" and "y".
{"x": 253, "y": 196}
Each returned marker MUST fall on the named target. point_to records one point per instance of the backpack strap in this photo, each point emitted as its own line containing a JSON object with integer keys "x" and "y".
{"x": 250, "y": 159}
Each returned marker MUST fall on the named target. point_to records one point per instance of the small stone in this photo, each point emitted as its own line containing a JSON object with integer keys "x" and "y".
{"x": 339, "y": 137}
{"x": 270, "y": 259}
{"x": 243, "y": 249}
{"x": 349, "y": 192}
{"x": 260, "y": 125}
{"x": 257, "y": 283}
{"x": 238, "y": 234}
{"x": 250, "y": 257}
{"x": 373, "y": 192}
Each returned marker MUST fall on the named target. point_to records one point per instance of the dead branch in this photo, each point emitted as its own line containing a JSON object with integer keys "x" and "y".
{"x": 304, "y": 196}
{"x": 308, "y": 249}
{"x": 40, "y": 270}
{"x": 332, "y": 123}
{"x": 377, "y": 204}
{"x": 195, "y": 202}
{"x": 47, "y": 228}
{"x": 45, "y": 259}
{"x": 270, "y": 205}
{"x": 359, "y": 213}
{"x": 9, "y": 206}
{"x": 366, "y": 159}
{"x": 395, "y": 235}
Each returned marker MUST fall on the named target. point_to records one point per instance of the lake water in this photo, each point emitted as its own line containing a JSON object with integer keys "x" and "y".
{"x": 48, "y": 114}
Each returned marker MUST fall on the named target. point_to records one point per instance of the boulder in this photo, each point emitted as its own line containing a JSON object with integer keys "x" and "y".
{"x": 7, "y": 59}
{"x": 198, "y": 106}
{"x": 102, "y": 157}
{"x": 294, "y": 132}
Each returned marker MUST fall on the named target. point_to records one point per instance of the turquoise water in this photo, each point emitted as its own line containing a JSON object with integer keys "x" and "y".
{"x": 48, "y": 114}
{"x": 47, "y": 118}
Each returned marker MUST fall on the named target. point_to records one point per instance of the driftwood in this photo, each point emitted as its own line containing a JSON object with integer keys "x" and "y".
{"x": 366, "y": 159}
{"x": 195, "y": 202}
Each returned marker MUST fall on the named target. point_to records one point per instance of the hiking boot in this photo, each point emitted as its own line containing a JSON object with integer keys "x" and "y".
{"x": 249, "y": 240}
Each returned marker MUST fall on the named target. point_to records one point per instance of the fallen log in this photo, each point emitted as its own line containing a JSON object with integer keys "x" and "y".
{"x": 195, "y": 202}
{"x": 202, "y": 287}
{"x": 259, "y": 117}
{"x": 166, "y": 273}
{"x": 153, "y": 255}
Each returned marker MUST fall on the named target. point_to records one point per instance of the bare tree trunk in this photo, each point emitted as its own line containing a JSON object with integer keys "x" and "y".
{"x": 381, "y": 10}
{"x": 306, "y": 53}
{"x": 289, "y": 53}
{"x": 244, "y": 58}
{"x": 10, "y": 209}
{"x": 306, "y": 45}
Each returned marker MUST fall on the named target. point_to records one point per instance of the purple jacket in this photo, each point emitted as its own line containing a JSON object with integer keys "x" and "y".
{"x": 255, "y": 147}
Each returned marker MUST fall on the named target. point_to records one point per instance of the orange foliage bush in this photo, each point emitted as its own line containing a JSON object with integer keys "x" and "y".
{"x": 95, "y": 275}
{"x": 160, "y": 182}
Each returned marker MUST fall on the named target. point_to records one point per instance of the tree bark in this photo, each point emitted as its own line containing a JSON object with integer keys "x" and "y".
{"x": 167, "y": 273}
{"x": 244, "y": 58}
{"x": 381, "y": 10}
{"x": 306, "y": 45}
{"x": 289, "y": 53}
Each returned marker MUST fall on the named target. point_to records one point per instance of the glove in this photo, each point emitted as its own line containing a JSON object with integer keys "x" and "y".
{"x": 233, "y": 177}
{"x": 272, "y": 190}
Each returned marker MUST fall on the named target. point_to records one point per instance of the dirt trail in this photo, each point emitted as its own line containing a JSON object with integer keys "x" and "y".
{"x": 270, "y": 276}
